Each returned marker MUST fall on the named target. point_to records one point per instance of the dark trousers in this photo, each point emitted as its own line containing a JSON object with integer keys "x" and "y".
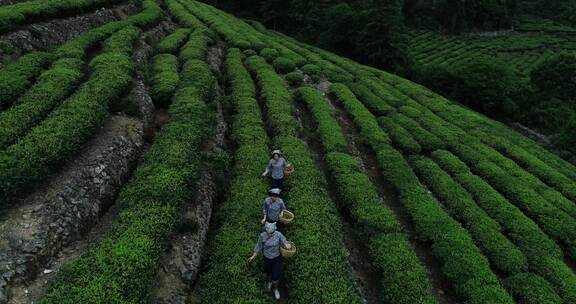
{"x": 273, "y": 268}
{"x": 277, "y": 183}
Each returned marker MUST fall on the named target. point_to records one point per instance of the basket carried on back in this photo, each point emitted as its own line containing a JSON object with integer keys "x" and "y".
{"x": 286, "y": 217}
{"x": 289, "y": 169}
{"x": 288, "y": 252}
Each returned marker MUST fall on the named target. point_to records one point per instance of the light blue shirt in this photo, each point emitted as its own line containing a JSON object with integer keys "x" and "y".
{"x": 271, "y": 210}
{"x": 276, "y": 168}
{"x": 270, "y": 244}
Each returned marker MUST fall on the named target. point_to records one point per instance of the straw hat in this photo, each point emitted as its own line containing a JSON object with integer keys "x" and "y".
{"x": 287, "y": 217}
{"x": 289, "y": 251}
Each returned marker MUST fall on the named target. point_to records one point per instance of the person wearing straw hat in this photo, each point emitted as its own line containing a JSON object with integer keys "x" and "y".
{"x": 273, "y": 207}
{"x": 275, "y": 168}
{"x": 269, "y": 243}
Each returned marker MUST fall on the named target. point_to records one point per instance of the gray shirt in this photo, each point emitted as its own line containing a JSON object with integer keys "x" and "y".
{"x": 271, "y": 210}
{"x": 270, "y": 244}
{"x": 276, "y": 168}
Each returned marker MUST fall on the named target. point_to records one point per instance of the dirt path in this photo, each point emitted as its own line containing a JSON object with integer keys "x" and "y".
{"x": 389, "y": 198}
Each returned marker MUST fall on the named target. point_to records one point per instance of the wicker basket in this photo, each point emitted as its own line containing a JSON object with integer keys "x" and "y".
{"x": 287, "y": 217}
{"x": 288, "y": 252}
{"x": 289, "y": 169}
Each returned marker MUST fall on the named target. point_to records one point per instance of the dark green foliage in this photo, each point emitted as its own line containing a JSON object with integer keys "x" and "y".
{"x": 52, "y": 87}
{"x": 173, "y": 42}
{"x": 485, "y": 84}
{"x": 165, "y": 78}
{"x": 249, "y": 53}
{"x": 269, "y": 54}
{"x": 554, "y": 104}
{"x": 295, "y": 78}
{"x": 528, "y": 288}
{"x": 284, "y": 65}
{"x": 16, "y": 77}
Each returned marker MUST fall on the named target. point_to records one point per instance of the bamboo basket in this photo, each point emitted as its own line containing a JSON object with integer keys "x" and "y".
{"x": 287, "y": 253}
{"x": 289, "y": 169}
{"x": 287, "y": 217}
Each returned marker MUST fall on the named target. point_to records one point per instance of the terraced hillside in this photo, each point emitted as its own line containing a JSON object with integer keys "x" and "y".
{"x": 130, "y": 162}
{"x": 532, "y": 42}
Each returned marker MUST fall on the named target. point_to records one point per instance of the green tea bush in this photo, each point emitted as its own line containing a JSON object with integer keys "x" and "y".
{"x": 370, "y": 100}
{"x": 556, "y": 223}
{"x": 400, "y": 137}
{"x": 284, "y": 65}
{"x": 18, "y": 76}
{"x": 330, "y": 133}
{"x": 487, "y": 233}
{"x": 544, "y": 256}
{"x": 469, "y": 272}
{"x": 12, "y": 15}
{"x": 31, "y": 159}
{"x": 313, "y": 71}
{"x": 196, "y": 46}
{"x": 404, "y": 278}
{"x": 531, "y": 289}
{"x": 165, "y": 78}
{"x": 370, "y": 128}
{"x": 295, "y": 78}
{"x": 173, "y": 42}
{"x": 52, "y": 87}
{"x": 278, "y": 99}
{"x": 269, "y": 54}
{"x": 151, "y": 204}
{"x": 427, "y": 140}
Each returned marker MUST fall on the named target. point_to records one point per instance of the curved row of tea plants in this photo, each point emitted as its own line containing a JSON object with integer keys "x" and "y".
{"x": 17, "y": 77}
{"x": 121, "y": 267}
{"x": 52, "y": 87}
{"x": 70, "y": 125}
{"x": 469, "y": 271}
{"x": 404, "y": 279}
{"x": 18, "y": 13}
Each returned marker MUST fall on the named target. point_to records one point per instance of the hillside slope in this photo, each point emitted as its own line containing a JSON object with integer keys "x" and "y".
{"x": 400, "y": 195}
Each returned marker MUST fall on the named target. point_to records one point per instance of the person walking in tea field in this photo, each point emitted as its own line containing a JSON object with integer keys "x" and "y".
{"x": 276, "y": 168}
{"x": 273, "y": 207}
{"x": 269, "y": 243}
